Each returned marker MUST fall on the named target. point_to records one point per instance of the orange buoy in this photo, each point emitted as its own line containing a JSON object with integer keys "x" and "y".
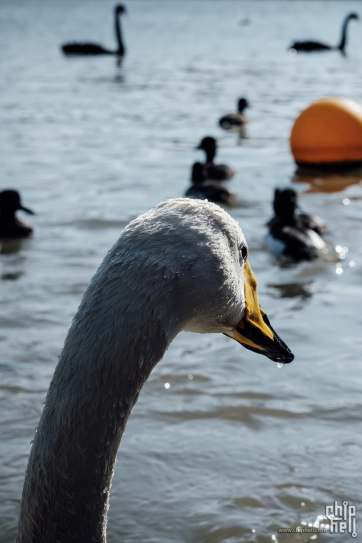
{"x": 328, "y": 135}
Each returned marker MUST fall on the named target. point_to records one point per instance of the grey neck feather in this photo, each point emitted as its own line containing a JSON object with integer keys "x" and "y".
{"x": 105, "y": 361}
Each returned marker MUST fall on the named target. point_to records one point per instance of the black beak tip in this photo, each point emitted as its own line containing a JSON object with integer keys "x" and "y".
{"x": 285, "y": 358}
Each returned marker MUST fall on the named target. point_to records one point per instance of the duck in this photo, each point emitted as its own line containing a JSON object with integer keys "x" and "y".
{"x": 235, "y": 120}
{"x": 214, "y": 172}
{"x": 293, "y": 234}
{"x": 203, "y": 189}
{"x": 95, "y": 49}
{"x": 10, "y": 226}
{"x": 183, "y": 265}
{"x": 312, "y": 46}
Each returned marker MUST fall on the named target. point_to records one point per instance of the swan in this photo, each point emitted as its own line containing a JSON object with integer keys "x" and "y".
{"x": 235, "y": 120}
{"x": 95, "y": 49}
{"x": 181, "y": 266}
{"x": 215, "y": 172}
{"x": 297, "y": 235}
{"x": 10, "y": 226}
{"x": 309, "y": 46}
{"x": 203, "y": 189}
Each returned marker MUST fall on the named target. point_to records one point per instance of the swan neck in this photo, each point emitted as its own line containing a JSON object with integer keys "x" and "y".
{"x": 121, "y": 49}
{"x": 343, "y": 42}
{"x": 103, "y": 366}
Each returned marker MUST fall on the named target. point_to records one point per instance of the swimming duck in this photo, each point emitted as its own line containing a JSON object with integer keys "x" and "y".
{"x": 204, "y": 189}
{"x": 311, "y": 46}
{"x": 183, "y": 265}
{"x": 235, "y": 120}
{"x": 214, "y": 172}
{"x": 95, "y": 49}
{"x": 294, "y": 234}
{"x": 10, "y": 226}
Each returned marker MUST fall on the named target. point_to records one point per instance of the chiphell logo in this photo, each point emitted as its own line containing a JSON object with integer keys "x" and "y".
{"x": 342, "y": 518}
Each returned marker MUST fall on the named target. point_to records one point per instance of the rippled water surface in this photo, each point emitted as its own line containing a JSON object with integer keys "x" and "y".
{"x": 234, "y": 448}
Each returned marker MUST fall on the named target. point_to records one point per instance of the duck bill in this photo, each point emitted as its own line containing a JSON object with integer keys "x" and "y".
{"x": 254, "y": 330}
{"x": 27, "y": 210}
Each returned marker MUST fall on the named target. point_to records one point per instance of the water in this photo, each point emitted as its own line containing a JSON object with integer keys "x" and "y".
{"x": 240, "y": 449}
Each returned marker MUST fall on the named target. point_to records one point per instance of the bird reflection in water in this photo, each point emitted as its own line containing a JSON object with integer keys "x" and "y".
{"x": 291, "y": 290}
{"x": 12, "y": 263}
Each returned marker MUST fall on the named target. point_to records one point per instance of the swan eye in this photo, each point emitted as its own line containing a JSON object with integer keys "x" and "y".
{"x": 243, "y": 252}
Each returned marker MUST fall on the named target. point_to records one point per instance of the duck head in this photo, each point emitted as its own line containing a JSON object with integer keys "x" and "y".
{"x": 209, "y": 145}
{"x": 242, "y": 104}
{"x": 10, "y": 203}
{"x": 285, "y": 203}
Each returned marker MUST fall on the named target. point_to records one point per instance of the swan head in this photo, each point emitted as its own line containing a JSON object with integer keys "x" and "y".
{"x": 10, "y": 202}
{"x": 120, "y": 9}
{"x": 285, "y": 202}
{"x": 242, "y": 104}
{"x": 190, "y": 258}
{"x": 353, "y": 16}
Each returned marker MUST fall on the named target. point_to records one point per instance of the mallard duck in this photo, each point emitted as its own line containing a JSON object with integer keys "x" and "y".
{"x": 214, "y": 172}
{"x": 293, "y": 234}
{"x": 235, "y": 120}
{"x": 10, "y": 226}
{"x": 204, "y": 189}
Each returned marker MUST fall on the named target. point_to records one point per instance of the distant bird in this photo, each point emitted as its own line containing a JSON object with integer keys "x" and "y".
{"x": 93, "y": 48}
{"x": 204, "y": 189}
{"x": 235, "y": 120}
{"x": 214, "y": 172}
{"x": 297, "y": 235}
{"x": 310, "y": 46}
{"x": 10, "y": 226}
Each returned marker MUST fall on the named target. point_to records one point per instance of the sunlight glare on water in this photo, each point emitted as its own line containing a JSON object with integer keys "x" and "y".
{"x": 219, "y": 447}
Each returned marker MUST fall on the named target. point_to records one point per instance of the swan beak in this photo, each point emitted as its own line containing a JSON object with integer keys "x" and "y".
{"x": 254, "y": 331}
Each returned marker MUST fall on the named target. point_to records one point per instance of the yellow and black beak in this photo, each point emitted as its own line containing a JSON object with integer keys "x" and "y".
{"x": 254, "y": 331}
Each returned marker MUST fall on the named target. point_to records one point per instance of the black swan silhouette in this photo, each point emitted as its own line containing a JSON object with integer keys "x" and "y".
{"x": 93, "y": 48}
{"x": 310, "y": 46}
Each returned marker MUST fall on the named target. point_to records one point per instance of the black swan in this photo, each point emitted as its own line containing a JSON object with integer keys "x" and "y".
{"x": 204, "y": 189}
{"x": 310, "y": 46}
{"x": 10, "y": 226}
{"x": 93, "y": 48}
{"x": 293, "y": 234}
{"x": 214, "y": 172}
{"x": 235, "y": 120}
{"x": 181, "y": 266}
